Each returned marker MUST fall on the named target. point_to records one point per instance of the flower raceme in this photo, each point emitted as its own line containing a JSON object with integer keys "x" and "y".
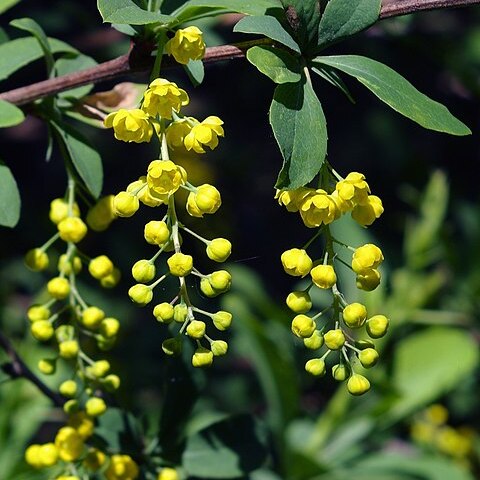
{"x": 186, "y": 45}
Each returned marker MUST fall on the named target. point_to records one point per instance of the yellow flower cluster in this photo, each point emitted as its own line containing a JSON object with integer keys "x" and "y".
{"x": 319, "y": 209}
{"x": 69, "y": 448}
{"x": 65, "y": 318}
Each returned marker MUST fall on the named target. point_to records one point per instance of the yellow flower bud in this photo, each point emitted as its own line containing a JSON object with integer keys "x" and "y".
{"x": 299, "y": 302}
{"x": 95, "y": 407}
{"x": 222, "y": 320}
{"x": 219, "y": 347}
{"x": 368, "y": 357}
{"x": 42, "y": 330}
{"x": 292, "y": 199}
{"x": 323, "y": 276}
{"x": 111, "y": 382}
{"x": 72, "y": 229}
{"x": 163, "y": 96}
{"x": 334, "y": 339}
{"x": 143, "y": 271}
{"x": 111, "y": 280}
{"x": 163, "y": 312}
{"x": 64, "y": 333}
{"x": 180, "y": 265}
{"x": 180, "y": 313}
{"x": 168, "y": 474}
{"x": 68, "y": 266}
{"x": 140, "y": 294}
{"x": 82, "y": 424}
{"x": 219, "y": 249}
{"x": 340, "y": 372}
{"x": 207, "y": 199}
{"x": 296, "y": 262}
{"x": 318, "y": 208}
{"x": 354, "y": 315}
{"x": 316, "y": 367}
{"x": 358, "y": 384}
{"x": 59, "y": 210}
{"x": 125, "y": 204}
{"x": 69, "y": 444}
{"x": 220, "y": 280}
{"x": 203, "y": 134}
{"x": 354, "y": 189}
{"x": 47, "y": 366}
{"x": 38, "y": 312}
{"x": 369, "y": 280}
{"x": 102, "y": 214}
{"x": 172, "y": 346}
{"x": 186, "y": 45}
{"x": 71, "y": 406}
{"x": 303, "y": 326}
{"x": 202, "y": 357}
{"x": 100, "y": 267}
{"x": 36, "y": 260}
{"x": 377, "y": 326}
{"x": 58, "y": 288}
{"x": 157, "y": 232}
{"x": 48, "y": 454}
{"x": 196, "y": 329}
{"x": 130, "y": 125}
{"x": 365, "y": 258}
{"x": 94, "y": 459}
{"x": 68, "y": 349}
{"x": 366, "y": 214}
{"x": 68, "y": 388}
{"x": 315, "y": 341}
{"x": 99, "y": 369}
{"x": 207, "y": 289}
{"x": 92, "y": 317}
{"x": 32, "y": 456}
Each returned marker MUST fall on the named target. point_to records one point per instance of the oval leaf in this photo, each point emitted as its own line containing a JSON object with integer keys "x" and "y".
{"x": 10, "y": 115}
{"x": 397, "y": 92}
{"x": 269, "y": 27}
{"x": 278, "y": 65}
{"x": 9, "y": 198}
{"x": 195, "y": 72}
{"x": 230, "y": 448}
{"x": 83, "y": 156}
{"x": 343, "y": 18}
{"x": 128, "y": 12}
{"x": 300, "y": 129}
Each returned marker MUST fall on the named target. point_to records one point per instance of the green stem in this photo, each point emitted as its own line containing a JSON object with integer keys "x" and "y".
{"x": 206, "y": 242}
{"x": 50, "y": 242}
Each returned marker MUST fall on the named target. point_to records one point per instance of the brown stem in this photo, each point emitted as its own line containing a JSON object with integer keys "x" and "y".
{"x": 139, "y": 58}
{"x": 18, "y": 369}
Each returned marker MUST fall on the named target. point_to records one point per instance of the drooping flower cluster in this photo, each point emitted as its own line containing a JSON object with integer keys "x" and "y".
{"x": 162, "y": 104}
{"x": 337, "y": 331}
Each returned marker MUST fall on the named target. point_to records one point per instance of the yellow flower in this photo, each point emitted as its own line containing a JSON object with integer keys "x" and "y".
{"x": 94, "y": 459}
{"x": 122, "y": 467}
{"x": 180, "y": 264}
{"x": 316, "y": 367}
{"x": 101, "y": 215}
{"x": 299, "y": 302}
{"x": 130, "y": 125}
{"x": 72, "y": 229}
{"x": 204, "y": 133}
{"x": 165, "y": 177}
{"x": 296, "y": 262}
{"x": 202, "y": 357}
{"x": 303, "y": 326}
{"x": 186, "y": 45}
{"x": 377, "y": 326}
{"x": 354, "y": 315}
{"x": 366, "y": 214}
{"x": 58, "y": 288}
{"x": 69, "y": 444}
{"x": 95, "y": 406}
{"x": 162, "y": 97}
{"x": 36, "y": 260}
{"x": 353, "y": 190}
{"x": 219, "y": 249}
{"x": 317, "y": 208}
{"x": 292, "y": 199}
{"x": 178, "y": 130}
{"x": 358, "y": 384}
{"x": 168, "y": 474}
{"x": 59, "y": 210}
{"x": 365, "y": 258}
{"x": 82, "y": 424}
{"x": 206, "y": 199}
{"x": 323, "y": 276}
{"x": 125, "y": 204}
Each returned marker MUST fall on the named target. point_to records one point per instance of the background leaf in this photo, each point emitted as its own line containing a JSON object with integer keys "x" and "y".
{"x": 10, "y": 115}
{"x": 20, "y": 52}
{"x": 128, "y": 12}
{"x": 195, "y": 71}
{"x": 278, "y": 65}
{"x": 84, "y": 157}
{"x": 397, "y": 92}
{"x": 268, "y": 26}
{"x": 9, "y": 198}
{"x": 230, "y": 448}
{"x": 7, "y": 4}
{"x": 300, "y": 129}
{"x": 343, "y": 18}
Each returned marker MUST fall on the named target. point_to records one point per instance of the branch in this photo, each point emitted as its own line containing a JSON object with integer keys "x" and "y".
{"x": 18, "y": 369}
{"x": 139, "y": 59}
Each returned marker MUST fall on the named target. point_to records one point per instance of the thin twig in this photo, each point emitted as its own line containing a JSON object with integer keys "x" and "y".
{"x": 139, "y": 59}
{"x": 17, "y": 368}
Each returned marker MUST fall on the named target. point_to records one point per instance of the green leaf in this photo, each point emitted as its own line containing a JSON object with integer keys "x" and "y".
{"x": 9, "y": 198}
{"x": 248, "y": 7}
{"x": 278, "y": 65}
{"x": 230, "y": 448}
{"x": 195, "y": 72}
{"x": 83, "y": 156}
{"x": 343, "y": 18}
{"x": 268, "y": 26}
{"x": 20, "y": 52}
{"x": 70, "y": 64}
{"x": 303, "y": 18}
{"x": 7, "y": 4}
{"x": 31, "y": 26}
{"x": 300, "y": 129}
{"x": 429, "y": 364}
{"x": 397, "y": 92}
{"x": 332, "y": 77}
{"x": 128, "y": 12}
{"x": 10, "y": 115}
